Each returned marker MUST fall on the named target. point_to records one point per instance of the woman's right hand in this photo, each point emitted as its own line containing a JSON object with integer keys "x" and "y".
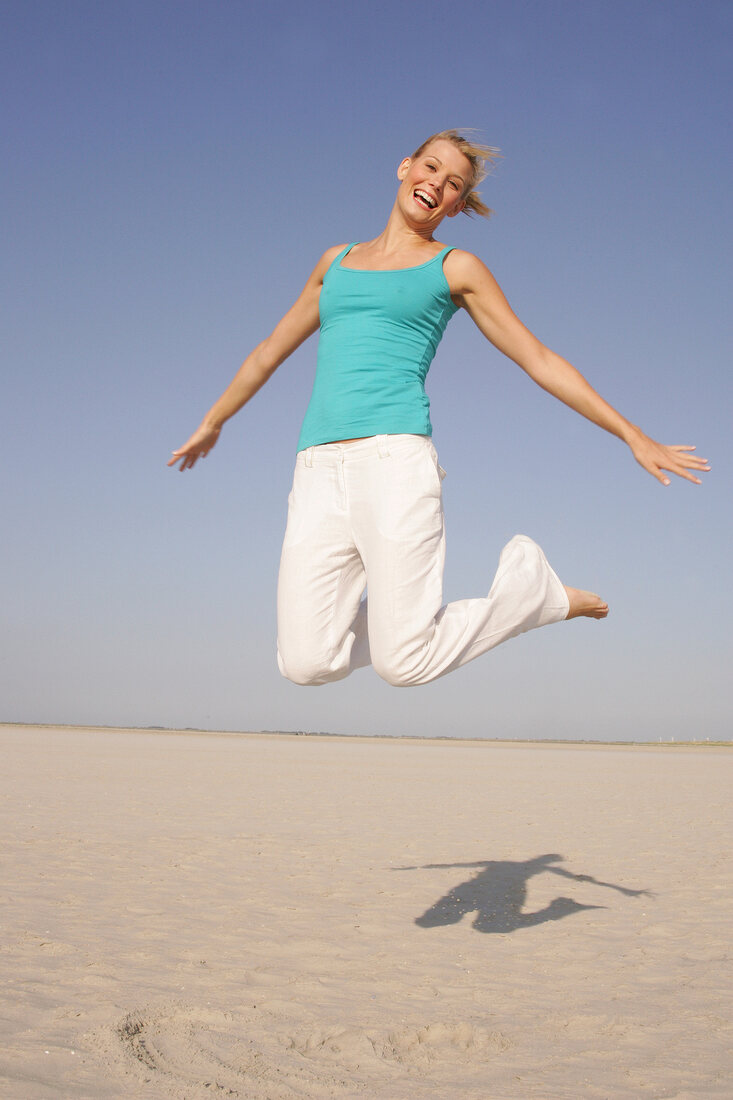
{"x": 300, "y": 322}
{"x": 198, "y": 446}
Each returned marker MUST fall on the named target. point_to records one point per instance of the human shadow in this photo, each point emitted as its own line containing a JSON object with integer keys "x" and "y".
{"x": 497, "y": 895}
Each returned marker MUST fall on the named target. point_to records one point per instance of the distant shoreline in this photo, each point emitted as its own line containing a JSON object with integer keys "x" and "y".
{"x": 516, "y": 742}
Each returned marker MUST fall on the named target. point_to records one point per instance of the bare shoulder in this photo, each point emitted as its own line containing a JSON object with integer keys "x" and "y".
{"x": 312, "y": 289}
{"x": 465, "y": 272}
{"x": 327, "y": 259}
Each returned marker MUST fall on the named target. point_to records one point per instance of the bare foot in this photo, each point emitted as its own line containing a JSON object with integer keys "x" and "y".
{"x": 585, "y": 603}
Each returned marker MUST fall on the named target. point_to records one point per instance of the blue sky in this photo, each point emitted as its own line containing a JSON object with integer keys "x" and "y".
{"x": 172, "y": 172}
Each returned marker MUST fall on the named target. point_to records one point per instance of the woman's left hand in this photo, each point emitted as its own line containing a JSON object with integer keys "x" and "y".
{"x": 658, "y": 457}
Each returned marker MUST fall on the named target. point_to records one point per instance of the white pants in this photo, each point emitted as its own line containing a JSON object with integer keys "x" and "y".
{"x": 370, "y": 512}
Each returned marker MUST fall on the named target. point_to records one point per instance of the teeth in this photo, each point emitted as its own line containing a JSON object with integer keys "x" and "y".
{"x": 426, "y": 198}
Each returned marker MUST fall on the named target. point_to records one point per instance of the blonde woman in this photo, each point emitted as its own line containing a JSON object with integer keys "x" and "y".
{"x": 365, "y": 510}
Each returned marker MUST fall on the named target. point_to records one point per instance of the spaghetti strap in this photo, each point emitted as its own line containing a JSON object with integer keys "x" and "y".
{"x": 344, "y": 252}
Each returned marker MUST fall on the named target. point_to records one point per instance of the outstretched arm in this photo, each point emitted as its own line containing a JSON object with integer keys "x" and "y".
{"x": 300, "y": 322}
{"x": 474, "y": 287}
{"x": 597, "y": 882}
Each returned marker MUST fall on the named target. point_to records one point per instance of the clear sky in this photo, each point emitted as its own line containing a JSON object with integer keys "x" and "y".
{"x": 172, "y": 170}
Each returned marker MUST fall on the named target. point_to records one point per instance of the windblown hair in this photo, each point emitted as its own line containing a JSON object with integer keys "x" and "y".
{"x": 481, "y": 158}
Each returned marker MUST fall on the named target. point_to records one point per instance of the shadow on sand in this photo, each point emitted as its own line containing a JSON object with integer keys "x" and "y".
{"x": 498, "y": 892}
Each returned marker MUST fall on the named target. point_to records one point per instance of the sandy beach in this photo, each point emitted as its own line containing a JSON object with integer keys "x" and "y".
{"x": 277, "y": 917}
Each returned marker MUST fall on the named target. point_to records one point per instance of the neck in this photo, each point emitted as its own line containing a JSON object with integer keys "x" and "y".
{"x": 399, "y": 236}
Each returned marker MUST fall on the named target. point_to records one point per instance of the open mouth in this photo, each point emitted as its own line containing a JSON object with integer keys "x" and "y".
{"x": 425, "y": 199}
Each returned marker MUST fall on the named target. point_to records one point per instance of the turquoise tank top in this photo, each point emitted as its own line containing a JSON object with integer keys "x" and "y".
{"x": 379, "y": 333}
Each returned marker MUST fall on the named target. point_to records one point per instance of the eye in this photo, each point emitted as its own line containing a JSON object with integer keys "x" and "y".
{"x": 430, "y": 166}
{"x": 454, "y": 185}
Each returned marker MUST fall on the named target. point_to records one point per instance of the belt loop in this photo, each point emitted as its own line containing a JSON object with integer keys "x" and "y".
{"x": 382, "y": 448}
{"x": 309, "y": 456}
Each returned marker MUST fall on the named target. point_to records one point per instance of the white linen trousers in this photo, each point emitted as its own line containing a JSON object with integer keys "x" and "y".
{"x": 369, "y": 515}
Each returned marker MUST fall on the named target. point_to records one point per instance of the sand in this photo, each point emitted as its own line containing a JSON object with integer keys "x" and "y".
{"x": 281, "y": 917}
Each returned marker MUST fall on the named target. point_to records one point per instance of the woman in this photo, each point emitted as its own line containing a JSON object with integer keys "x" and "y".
{"x": 366, "y": 502}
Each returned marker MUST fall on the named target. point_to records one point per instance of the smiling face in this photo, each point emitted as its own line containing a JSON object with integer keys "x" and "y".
{"x": 432, "y": 186}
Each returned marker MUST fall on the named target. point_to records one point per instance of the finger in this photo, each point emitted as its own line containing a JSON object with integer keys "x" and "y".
{"x": 685, "y": 458}
{"x": 684, "y": 455}
{"x": 681, "y": 466}
{"x": 679, "y": 462}
{"x": 688, "y": 477}
{"x": 679, "y": 471}
{"x": 656, "y": 470}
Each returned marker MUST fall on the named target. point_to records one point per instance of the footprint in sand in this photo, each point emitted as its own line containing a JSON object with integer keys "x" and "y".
{"x": 189, "y": 1052}
{"x": 196, "y": 1052}
{"x": 406, "y": 1047}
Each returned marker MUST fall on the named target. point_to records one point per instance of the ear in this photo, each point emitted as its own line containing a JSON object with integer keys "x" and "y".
{"x": 460, "y": 206}
{"x": 404, "y": 168}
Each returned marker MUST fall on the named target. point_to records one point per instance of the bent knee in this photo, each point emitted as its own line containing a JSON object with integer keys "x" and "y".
{"x": 305, "y": 670}
{"x": 398, "y": 672}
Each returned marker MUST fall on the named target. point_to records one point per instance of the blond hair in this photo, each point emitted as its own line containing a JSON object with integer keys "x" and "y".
{"x": 481, "y": 159}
